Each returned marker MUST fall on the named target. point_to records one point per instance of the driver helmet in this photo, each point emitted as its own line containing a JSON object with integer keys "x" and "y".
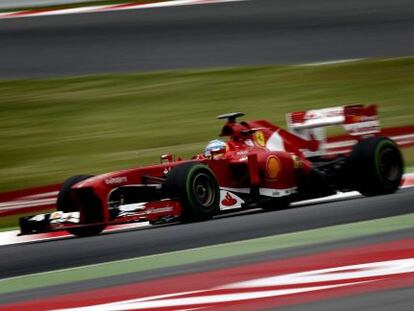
{"x": 215, "y": 146}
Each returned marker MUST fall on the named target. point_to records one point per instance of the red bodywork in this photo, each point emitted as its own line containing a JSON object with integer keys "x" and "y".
{"x": 243, "y": 166}
{"x": 262, "y": 161}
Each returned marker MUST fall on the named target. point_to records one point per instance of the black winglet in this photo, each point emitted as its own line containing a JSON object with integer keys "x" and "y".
{"x": 231, "y": 117}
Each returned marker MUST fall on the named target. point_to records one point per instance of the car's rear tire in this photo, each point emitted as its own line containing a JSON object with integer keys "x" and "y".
{"x": 376, "y": 166}
{"x": 66, "y": 203}
{"x": 197, "y": 189}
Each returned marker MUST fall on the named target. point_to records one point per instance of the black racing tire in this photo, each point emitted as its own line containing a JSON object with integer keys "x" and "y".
{"x": 196, "y": 187}
{"x": 376, "y": 166}
{"x": 65, "y": 203}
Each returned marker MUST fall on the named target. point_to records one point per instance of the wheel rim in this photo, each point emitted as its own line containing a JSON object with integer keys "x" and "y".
{"x": 203, "y": 190}
{"x": 389, "y": 167}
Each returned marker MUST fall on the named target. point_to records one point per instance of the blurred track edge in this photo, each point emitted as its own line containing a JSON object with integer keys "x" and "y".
{"x": 267, "y": 284}
{"x": 108, "y": 8}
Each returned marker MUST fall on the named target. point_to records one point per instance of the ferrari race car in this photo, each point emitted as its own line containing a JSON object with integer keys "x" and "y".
{"x": 259, "y": 165}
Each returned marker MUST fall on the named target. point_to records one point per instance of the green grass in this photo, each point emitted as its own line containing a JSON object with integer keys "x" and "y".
{"x": 53, "y": 128}
{"x": 409, "y": 169}
{"x": 408, "y": 154}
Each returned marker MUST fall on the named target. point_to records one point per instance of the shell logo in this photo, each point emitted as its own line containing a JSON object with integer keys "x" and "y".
{"x": 260, "y": 138}
{"x": 356, "y": 119}
{"x": 273, "y": 167}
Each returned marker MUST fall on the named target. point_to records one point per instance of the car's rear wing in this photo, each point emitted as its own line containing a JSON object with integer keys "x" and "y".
{"x": 358, "y": 120}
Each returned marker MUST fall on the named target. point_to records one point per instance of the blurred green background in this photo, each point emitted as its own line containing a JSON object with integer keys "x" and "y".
{"x": 54, "y": 128}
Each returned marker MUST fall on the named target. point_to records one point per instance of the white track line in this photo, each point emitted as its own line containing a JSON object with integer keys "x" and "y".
{"x": 108, "y": 8}
{"x": 332, "y": 62}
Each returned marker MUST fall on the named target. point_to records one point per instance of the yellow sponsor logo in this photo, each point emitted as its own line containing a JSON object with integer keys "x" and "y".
{"x": 260, "y": 138}
{"x": 297, "y": 163}
{"x": 273, "y": 167}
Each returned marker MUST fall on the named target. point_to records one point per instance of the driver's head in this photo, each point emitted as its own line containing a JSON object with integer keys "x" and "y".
{"x": 215, "y": 148}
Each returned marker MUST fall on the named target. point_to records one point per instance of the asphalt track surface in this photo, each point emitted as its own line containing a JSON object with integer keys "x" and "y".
{"x": 217, "y": 264}
{"x": 72, "y": 252}
{"x": 230, "y": 34}
{"x": 44, "y": 256}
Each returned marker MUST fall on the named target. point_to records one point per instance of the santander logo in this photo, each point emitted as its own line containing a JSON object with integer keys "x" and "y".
{"x": 228, "y": 200}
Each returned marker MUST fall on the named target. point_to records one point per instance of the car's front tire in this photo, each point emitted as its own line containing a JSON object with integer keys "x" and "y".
{"x": 196, "y": 187}
{"x": 66, "y": 203}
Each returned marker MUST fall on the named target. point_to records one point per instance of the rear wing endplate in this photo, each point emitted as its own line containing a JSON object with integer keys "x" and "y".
{"x": 358, "y": 120}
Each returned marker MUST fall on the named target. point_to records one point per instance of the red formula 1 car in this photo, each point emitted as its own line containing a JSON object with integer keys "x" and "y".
{"x": 260, "y": 165}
